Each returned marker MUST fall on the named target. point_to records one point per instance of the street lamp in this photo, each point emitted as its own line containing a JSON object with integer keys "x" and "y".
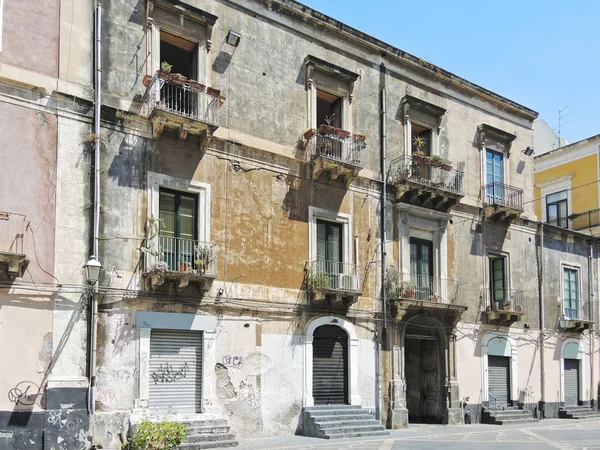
{"x": 92, "y": 270}
{"x": 563, "y": 322}
{"x": 233, "y": 38}
{"x": 528, "y": 151}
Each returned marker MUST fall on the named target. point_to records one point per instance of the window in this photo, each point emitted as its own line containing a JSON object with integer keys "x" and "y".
{"x": 494, "y": 172}
{"x": 571, "y": 292}
{"x": 178, "y": 229}
{"x": 329, "y": 250}
{"x": 557, "y": 209}
{"x": 421, "y": 267}
{"x": 498, "y": 280}
{"x": 329, "y": 109}
{"x": 420, "y": 140}
{"x": 180, "y": 53}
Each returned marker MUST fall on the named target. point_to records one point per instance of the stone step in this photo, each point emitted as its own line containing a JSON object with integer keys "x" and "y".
{"x": 511, "y": 421}
{"x": 208, "y": 437}
{"x": 340, "y": 412}
{"x": 353, "y": 429}
{"x": 209, "y": 429}
{"x": 191, "y": 423}
{"x": 357, "y": 434}
{"x": 344, "y": 423}
{"x": 206, "y": 445}
{"x": 325, "y": 407}
{"x": 511, "y": 416}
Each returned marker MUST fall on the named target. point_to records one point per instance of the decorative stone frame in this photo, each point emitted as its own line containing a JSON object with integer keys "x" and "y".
{"x": 512, "y": 353}
{"x": 145, "y": 322}
{"x": 182, "y": 20}
{"x": 321, "y": 75}
{"x": 314, "y": 214}
{"x": 420, "y": 112}
{"x": 554, "y": 187}
{"x": 497, "y": 140}
{"x": 568, "y": 351}
{"x": 423, "y": 223}
{"x": 203, "y": 190}
{"x": 353, "y": 396}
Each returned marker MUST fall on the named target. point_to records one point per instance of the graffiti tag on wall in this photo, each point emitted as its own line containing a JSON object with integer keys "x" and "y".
{"x": 232, "y": 361}
{"x": 24, "y": 393}
{"x": 167, "y": 374}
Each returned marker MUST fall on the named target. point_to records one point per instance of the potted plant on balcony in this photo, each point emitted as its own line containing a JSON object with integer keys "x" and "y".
{"x": 342, "y": 133}
{"x": 318, "y": 280}
{"x": 326, "y": 127}
{"x": 177, "y": 78}
{"x": 204, "y": 258}
{"x": 185, "y": 266}
{"x": 196, "y": 86}
{"x": 157, "y": 272}
{"x": 212, "y": 91}
{"x": 407, "y": 290}
{"x": 309, "y": 133}
{"x": 507, "y": 305}
{"x": 436, "y": 160}
{"x": 361, "y": 137}
{"x": 165, "y": 71}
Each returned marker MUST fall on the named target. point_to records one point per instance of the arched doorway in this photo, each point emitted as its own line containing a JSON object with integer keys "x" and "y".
{"x": 423, "y": 371}
{"x": 330, "y": 366}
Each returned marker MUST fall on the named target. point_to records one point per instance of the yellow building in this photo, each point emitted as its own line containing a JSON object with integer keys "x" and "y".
{"x": 566, "y": 186}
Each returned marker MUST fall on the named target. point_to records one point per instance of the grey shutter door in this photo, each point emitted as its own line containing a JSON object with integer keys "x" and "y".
{"x": 499, "y": 379}
{"x": 175, "y": 371}
{"x": 330, "y": 366}
{"x": 571, "y": 379}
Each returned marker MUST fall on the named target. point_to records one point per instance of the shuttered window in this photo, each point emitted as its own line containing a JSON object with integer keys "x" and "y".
{"x": 571, "y": 379}
{"x": 571, "y": 285}
{"x": 175, "y": 371}
{"x": 499, "y": 380}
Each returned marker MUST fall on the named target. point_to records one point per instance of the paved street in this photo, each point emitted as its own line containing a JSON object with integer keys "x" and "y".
{"x": 548, "y": 434}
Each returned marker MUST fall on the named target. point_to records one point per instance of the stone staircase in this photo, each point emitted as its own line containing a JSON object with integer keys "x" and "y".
{"x": 340, "y": 421}
{"x": 207, "y": 434}
{"x": 578, "y": 412}
{"x": 506, "y": 415}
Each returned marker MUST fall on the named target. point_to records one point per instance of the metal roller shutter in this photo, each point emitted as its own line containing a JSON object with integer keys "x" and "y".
{"x": 175, "y": 371}
{"x": 499, "y": 379}
{"x": 330, "y": 366}
{"x": 571, "y": 379}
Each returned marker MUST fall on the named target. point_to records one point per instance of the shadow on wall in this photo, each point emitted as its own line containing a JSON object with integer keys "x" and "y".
{"x": 127, "y": 168}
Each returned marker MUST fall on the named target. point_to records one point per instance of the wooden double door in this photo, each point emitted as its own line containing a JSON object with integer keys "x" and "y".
{"x": 423, "y": 381}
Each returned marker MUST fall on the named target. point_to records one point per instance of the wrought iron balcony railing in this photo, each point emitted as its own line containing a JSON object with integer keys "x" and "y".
{"x": 408, "y": 286}
{"x": 342, "y": 147}
{"x": 509, "y": 300}
{"x": 582, "y": 311}
{"x": 183, "y": 256}
{"x": 332, "y": 276}
{"x": 187, "y": 99}
{"x": 12, "y": 233}
{"x": 426, "y": 172}
{"x": 503, "y": 195}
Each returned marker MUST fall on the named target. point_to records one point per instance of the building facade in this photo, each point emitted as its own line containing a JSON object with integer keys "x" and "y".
{"x": 289, "y": 213}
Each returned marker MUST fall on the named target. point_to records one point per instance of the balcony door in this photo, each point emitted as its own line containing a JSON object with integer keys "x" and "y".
{"x": 329, "y": 250}
{"x": 571, "y": 287}
{"x": 421, "y": 267}
{"x": 178, "y": 229}
{"x": 494, "y": 169}
{"x": 498, "y": 284}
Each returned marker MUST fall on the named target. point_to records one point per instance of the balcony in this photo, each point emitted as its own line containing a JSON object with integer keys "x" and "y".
{"x": 501, "y": 202}
{"x": 503, "y": 306}
{"x": 586, "y": 220}
{"x": 13, "y": 259}
{"x": 443, "y": 297}
{"x": 336, "y": 152}
{"x": 427, "y": 182}
{"x": 578, "y": 320}
{"x": 181, "y": 262}
{"x": 333, "y": 282}
{"x": 187, "y": 106}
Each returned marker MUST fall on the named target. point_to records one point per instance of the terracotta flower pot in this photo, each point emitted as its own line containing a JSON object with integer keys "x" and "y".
{"x": 310, "y": 133}
{"x": 326, "y": 129}
{"x": 359, "y": 137}
{"x": 147, "y": 80}
{"x": 446, "y": 167}
{"x": 221, "y": 100}
{"x": 342, "y": 133}
{"x": 212, "y": 91}
{"x": 164, "y": 75}
{"x": 198, "y": 87}
{"x": 178, "y": 79}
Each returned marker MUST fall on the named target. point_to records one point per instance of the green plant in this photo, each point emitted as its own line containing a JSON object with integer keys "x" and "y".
{"x": 163, "y": 435}
{"x": 418, "y": 142}
{"x": 436, "y": 159}
{"x": 159, "y": 266}
{"x": 166, "y": 67}
{"x": 318, "y": 280}
{"x": 204, "y": 256}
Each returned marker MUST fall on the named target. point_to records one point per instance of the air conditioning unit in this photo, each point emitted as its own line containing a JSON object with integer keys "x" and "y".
{"x": 348, "y": 282}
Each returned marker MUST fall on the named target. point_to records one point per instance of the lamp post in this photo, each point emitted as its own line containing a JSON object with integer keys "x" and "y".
{"x": 92, "y": 273}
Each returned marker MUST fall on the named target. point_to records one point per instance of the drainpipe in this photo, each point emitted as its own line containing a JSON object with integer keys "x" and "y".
{"x": 383, "y": 235}
{"x": 542, "y": 319}
{"x": 93, "y": 316}
{"x": 590, "y": 316}
{"x": 383, "y": 196}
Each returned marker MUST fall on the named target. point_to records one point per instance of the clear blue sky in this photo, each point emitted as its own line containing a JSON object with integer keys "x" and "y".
{"x": 544, "y": 54}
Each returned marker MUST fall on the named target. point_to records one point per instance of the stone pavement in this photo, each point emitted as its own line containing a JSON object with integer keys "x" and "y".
{"x": 547, "y": 434}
